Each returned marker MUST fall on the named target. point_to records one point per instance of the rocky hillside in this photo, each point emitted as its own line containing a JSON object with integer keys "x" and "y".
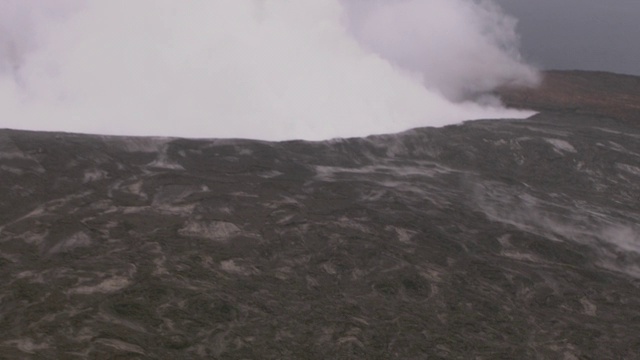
{"x": 487, "y": 240}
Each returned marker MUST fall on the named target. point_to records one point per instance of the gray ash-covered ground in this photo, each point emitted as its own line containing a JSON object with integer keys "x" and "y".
{"x": 509, "y": 239}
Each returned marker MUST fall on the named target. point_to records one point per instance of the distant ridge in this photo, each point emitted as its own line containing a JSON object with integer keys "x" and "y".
{"x": 598, "y": 93}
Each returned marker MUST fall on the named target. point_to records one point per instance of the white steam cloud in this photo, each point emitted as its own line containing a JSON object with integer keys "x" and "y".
{"x": 264, "y": 69}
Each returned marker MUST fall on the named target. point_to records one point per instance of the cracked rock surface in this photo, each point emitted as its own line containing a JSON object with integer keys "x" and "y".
{"x": 494, "y": 239}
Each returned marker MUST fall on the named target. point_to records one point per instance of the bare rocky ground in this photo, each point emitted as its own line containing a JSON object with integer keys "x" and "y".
{"x": 488, "y": 240}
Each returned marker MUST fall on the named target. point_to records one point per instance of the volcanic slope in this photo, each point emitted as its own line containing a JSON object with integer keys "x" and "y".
{"x": 509, "y": 239}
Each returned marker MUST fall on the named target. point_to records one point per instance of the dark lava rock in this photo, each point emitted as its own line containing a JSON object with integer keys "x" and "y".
{"x": 510, "y": 239}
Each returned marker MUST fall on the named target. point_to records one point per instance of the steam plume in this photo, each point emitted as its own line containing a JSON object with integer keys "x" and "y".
{"x": 266, "y": 69}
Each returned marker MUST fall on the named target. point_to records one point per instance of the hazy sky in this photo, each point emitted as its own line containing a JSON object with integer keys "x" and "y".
{"x": 579, "y": 34}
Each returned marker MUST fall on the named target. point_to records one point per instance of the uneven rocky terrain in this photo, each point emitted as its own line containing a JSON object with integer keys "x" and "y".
{"x": 509, "y": 239}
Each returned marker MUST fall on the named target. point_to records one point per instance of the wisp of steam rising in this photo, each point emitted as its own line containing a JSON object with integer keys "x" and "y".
{"x": 262, "y": 69}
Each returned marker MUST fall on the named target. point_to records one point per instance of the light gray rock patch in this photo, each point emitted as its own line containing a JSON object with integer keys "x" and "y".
{"x": 80, "y": 239}
{"x": 107, "y": 286}
{"x": 122, "y": 346}
{"x": 215, "y": 230}
{"x": 561, "y": 146}
{"x": 633, "y": 170}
